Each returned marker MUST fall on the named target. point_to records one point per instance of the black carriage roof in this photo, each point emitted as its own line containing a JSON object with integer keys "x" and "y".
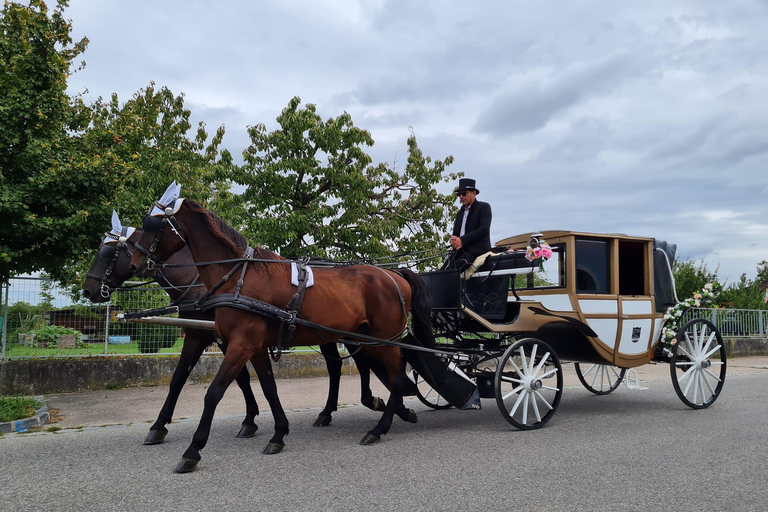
{"x": 552, "y": 235}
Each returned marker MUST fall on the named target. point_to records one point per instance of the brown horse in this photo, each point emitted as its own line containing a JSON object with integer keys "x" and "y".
{"x": 362, "y": 299}
{"x": 111, "y": 268}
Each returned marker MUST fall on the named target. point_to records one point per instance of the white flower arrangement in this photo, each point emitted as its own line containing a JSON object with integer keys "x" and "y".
{"x": 672, "y": 317}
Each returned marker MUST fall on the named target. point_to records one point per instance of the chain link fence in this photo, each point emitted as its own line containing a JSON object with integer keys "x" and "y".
{"x": 41, "y": 319}
{"x": 38, "y": 319}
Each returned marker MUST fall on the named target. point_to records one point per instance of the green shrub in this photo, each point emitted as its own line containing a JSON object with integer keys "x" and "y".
{"x": 17, "y": 408}
{"x": 49, "y": 334}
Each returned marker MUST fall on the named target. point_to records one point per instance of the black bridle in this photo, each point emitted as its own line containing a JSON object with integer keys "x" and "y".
{"x": 120, "y": 245}
{"x": 153, "y": 224}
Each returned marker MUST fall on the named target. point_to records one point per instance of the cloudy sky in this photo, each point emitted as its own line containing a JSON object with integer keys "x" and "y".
{"x": 646, "y": 118}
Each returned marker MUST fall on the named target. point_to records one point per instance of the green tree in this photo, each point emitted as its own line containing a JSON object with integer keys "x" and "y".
{"x": 146, "y": 141}
{"x": 311, "y": 190}
{"x": 747, "y": 293}
{"x": 691, "y": 277}
{"x": 46, "y": 198}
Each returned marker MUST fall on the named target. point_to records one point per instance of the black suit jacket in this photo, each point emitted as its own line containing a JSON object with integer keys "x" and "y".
{"x": 477, "y": 232}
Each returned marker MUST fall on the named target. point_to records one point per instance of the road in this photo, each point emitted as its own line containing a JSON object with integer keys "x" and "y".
{"x": 631, "y": 450}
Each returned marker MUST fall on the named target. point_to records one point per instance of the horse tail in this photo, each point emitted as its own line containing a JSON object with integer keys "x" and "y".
{"x": 421, "y": 307}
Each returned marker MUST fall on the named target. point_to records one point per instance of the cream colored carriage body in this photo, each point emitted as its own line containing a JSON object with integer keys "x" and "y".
{"x": 605, "y": 281}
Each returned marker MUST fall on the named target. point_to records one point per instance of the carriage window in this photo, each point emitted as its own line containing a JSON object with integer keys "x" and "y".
{"x": 592, "y": 269}
{"x": 553, "y": 275}
{"x": 632, "y": 268}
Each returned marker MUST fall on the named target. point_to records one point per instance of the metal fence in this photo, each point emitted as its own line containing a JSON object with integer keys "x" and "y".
{"x": 42, "y": 319}
{"x": 38, "y": 318}
{"x": 733, "y": 323}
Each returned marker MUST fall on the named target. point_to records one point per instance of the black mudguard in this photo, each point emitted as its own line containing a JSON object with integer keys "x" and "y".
{"x": 450, "y": 383}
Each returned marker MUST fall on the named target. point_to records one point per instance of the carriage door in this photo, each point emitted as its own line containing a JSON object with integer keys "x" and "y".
{"x": 594, "y": 291}
{"x": 636, "y": 311}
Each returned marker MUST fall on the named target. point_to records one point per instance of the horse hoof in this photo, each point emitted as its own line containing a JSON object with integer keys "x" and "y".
{"x": 412, "y": 416}
{"x": 322, "y": 421}
{"x": 378, "y": 404}
{"x": 273, "y": 448}
{"x": 370, "y": 439}
{"x": 155, "y": 436}
{"x": 247, "y": 431}
{"x": 185, "y": 465}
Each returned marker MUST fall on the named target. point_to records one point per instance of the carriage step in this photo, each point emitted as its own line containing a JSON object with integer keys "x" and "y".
{"x": 633, "y": 385}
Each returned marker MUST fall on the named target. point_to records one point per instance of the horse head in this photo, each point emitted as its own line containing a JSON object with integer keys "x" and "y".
{"x": 155, "y": 245}
{"x": 111, "y": 266}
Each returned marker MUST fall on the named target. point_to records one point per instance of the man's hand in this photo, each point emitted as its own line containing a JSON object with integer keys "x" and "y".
{"x": 456, "y": 242}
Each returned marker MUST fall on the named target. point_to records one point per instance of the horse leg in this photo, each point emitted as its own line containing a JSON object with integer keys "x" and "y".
{"x": 365, "y": 365}
{"x": 394, "y": 405}
{"x": 190, "y": 353}
{"x": 243, "y": 379}
{"x": 334, "y": 364}
{"x": 263, "y": 368}
{"x": 233, "y": 362}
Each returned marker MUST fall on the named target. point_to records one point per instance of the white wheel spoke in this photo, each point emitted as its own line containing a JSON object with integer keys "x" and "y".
{"x": 709, "y": 342}
{"x": 709, "y": 386}
{"x": 513, "y": 392}
{"x": 532, "y": 360}
{"x": 510, "y": 379}
{"x": 689, "y": 375}
{"x": 525, "y": 409}
{"x": 550, "y": 388}
{"x": 684, "y": 363}
{"x": 696, "y": 386}
{"x": 708, "y": 354}
{"x": 541, "y": 364}
{"x": 687, "y": 354}
{"x": 712, "y": 375}
{"x": 550, "y": 372}
{"x": 549, "y": 406}
{"x": 535, "y": 407}
{"x": 523, "y": 362}
{"x": 594, "y": 377}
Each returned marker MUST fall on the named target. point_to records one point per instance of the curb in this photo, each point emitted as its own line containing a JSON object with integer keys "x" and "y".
{"x": 39, "y": 419}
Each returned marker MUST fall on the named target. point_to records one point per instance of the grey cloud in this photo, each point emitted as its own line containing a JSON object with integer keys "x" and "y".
{"x": 529, "y": 103}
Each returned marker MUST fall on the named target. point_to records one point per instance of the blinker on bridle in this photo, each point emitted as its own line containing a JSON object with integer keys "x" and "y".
{"x": 149, "y": 225}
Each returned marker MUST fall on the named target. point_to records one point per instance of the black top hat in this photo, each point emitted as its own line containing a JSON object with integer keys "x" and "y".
{"x": 467, "y": 184}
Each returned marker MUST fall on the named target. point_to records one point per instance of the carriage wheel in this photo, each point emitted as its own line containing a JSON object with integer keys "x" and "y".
{"x": 600, "y": 379}
{"x": 529, "y": 384}
{"x": 426, "y": 393}
{"x": 698, "y": 364}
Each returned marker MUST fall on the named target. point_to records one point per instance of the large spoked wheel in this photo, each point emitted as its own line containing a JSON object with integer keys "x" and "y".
{"x": 426, "y": 393}
{"x": 698, "y": 364}
{"x": 529, "y": 384}
{"x": 600, "y": 379}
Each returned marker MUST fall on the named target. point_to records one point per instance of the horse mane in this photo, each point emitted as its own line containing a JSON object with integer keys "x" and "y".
{"x": 232, "y": 239}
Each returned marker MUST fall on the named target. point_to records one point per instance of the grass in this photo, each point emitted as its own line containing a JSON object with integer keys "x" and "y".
{"x": 94, "y": 349}
{"x": 17, "y": 408}
{"x": 97, "y": 349}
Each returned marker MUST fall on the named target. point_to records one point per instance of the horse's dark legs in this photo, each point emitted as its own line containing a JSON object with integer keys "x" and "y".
{"x": 394, "y": 406}
{"x": 190, "y": 354}
{"x": 233, "y": 362}
{"x": 263, "y": 368}
{"x": 193, "y": 348}
{"x": 334, "y": 364}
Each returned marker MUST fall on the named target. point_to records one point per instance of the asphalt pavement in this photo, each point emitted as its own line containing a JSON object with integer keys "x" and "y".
{"x": 631, "y": 450}
{"x": 142, "y": 404}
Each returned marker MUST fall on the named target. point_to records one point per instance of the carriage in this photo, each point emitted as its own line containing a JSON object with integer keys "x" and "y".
{"x": 503, "y": 328}
{"x": 599, "y": 301}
